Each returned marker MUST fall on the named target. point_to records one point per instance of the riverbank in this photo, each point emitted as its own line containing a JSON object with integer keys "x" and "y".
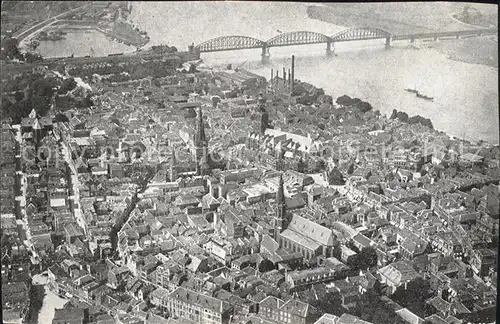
{"x": 476, "y": 50}
{"x": 408, "y": 18}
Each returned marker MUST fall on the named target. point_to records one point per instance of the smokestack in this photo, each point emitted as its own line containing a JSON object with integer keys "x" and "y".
{"x": 289, "y": 79}
{"x": 284, "y": 74}
{"x": 272, "y": 72}
{"x": 293, "y": 71}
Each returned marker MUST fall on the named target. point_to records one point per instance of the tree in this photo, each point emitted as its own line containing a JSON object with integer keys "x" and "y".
{"x": 19, "y": 96}
{"x": 364, "y": 107}
{"x": 266, "y": 265}
{"x": 11, "y": 50}
{"x": 87, "y": 101}
{"x": 192, "y": 68}
{"x": 344, "y": 100}
{"x": 61, "y": 118}
{"x": 350, "y": 169}
{"x": 335, "y": 177}
{"x": 32, "y": 58}
{"x": 402, "y": 116}
{"x": 367, "y": 258}
{"x": 40, "y": 95}
{"x": 394, "y": 114}
{"x": 67, "y": 85}
{"x": 414, "y": 296}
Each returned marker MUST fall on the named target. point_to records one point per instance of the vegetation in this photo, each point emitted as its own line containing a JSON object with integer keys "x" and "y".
{"x": 359, "y": 104}
{"x": 472, "y": 16}
{"x": 403, "y": 117}
{"x": 366, "y": 258}
{"x": 36, "y": 295}
{"x": 163, "y": 49}
{"x": 126, "y": 71}
{"x": 414, "y": 297}
{"x": 38, "y": 96}
{"x": 374, "y": 310}
{"x": 335, "y": 177}
{"x": 67, "y": 85}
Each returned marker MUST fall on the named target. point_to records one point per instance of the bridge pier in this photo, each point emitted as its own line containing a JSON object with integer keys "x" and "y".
{"x": 330, "y": 48}
{"x": 387, "y": 42}
{"x": 265, "y": 55}
{"x": 412, "y": 40}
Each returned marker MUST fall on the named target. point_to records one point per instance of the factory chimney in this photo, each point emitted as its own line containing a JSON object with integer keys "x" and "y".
{"x": 284, "y": 74}
{"x": 289, "y": 79}
{"x": 293, "y": 71}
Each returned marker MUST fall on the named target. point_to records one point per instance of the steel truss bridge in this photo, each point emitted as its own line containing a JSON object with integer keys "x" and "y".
{"x": 230, "y": 43}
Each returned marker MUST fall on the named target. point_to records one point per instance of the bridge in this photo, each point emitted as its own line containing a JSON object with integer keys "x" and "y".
{"x": 230, "y": 43}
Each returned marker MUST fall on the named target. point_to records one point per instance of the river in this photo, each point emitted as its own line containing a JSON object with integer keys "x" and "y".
{"x": 466, "y": 95}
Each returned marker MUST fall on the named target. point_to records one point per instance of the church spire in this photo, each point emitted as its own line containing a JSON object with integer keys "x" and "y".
{"x": 200, "y": 129}
{"x": 280, "y": 222}
{"x": 264, "y": 115}
{"x": 280, "y": 195}
{"x": 201, "y": 147}
{"x": 173, "y": 167}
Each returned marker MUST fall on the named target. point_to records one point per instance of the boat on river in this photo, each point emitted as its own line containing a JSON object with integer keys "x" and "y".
{"x": 419, "y": 95}
{"x": 411, "y": 90}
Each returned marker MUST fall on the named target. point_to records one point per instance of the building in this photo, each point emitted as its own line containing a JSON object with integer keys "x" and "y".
{"x": 191, "y": 305}
{"x": 68, "y": 316}
{"x": 292, "y": 311}
{"x": 201, "y": 146}
{"x": 397, "y": 274}
{"x": 298, "y": 234}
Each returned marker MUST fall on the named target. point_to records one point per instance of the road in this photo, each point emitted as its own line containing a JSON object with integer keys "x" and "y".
{"x": 76, "y": 188}
{"x": 22, "y": 199}
{"x": 35, "y": 29}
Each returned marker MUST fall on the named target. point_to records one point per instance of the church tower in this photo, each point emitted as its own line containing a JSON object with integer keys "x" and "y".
{"x": 264, "y": 121}
{"x": 201, "y": 146}
{"x": 173, "y": 167}
{"x": 281, "y": 219}
{"x": 264, "y": 115}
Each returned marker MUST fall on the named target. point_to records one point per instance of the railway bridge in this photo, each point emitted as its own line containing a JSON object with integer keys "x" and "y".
{"x": 230, "y": 43}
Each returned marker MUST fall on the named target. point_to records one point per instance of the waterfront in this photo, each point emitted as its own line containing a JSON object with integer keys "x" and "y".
{"x": 80, "y": 42}
{"x": 466, "y": 95}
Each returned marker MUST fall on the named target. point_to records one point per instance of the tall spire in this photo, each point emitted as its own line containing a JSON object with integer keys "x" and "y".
{"x": 200, "y": 129}
{"x": 280, "y": 195}
{"x": 201, "y": 147}
{"x": 173, "y": 167}
{"x": 281, "y": 220}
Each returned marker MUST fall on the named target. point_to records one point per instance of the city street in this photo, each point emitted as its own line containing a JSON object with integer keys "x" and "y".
{"x": 75, "y": 183}
{"x": 22, "y": 199}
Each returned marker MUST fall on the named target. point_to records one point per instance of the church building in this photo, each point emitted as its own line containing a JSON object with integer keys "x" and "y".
{"x": 298, "y": 234}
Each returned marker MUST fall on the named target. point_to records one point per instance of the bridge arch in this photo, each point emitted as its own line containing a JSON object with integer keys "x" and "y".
{"x": 228, "y": 43}
{"x": 360, "y": 34}
{"x": 297, "y": 38}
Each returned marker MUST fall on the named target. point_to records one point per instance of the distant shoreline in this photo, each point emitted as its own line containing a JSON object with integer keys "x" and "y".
{"x": 459, "y": 50}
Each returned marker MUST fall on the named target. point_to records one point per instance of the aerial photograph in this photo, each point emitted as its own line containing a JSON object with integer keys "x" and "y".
{"x": 249, "y": 162}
